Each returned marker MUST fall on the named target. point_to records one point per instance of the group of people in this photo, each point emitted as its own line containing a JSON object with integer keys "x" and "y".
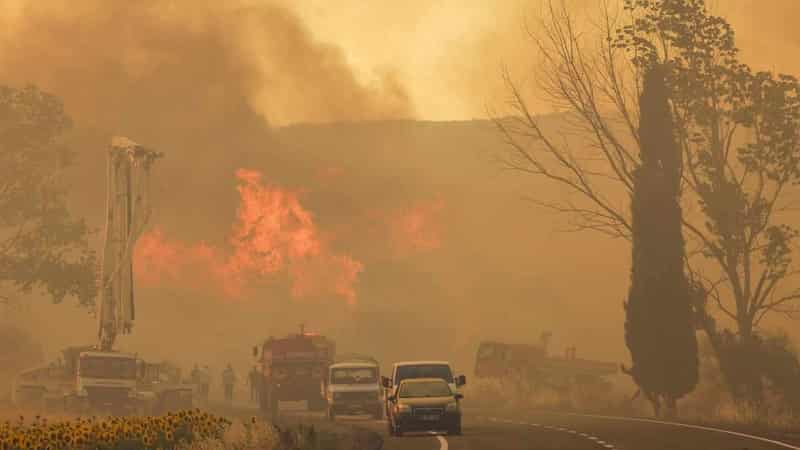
{"x": 202, "y": 378}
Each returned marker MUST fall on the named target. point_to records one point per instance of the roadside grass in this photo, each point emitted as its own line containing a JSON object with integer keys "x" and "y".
{"x": 708, "y": 405}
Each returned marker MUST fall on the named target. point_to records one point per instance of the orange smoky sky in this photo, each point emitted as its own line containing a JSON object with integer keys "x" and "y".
{"x": 449, "y": 53}
{"x": 433, "y": 60}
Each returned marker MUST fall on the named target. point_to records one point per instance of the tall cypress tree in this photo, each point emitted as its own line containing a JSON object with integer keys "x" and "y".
{"x": 659, "y": 327}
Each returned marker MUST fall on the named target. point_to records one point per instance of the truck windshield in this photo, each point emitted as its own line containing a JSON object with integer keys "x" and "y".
{"x": 103, "y": 367}
{"x": 441, "y": 371}
{"x": 354, "y": 375}
{"x": 425, "y": 389}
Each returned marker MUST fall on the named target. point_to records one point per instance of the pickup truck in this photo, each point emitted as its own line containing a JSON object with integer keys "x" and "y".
{"x": 419, "y": 369}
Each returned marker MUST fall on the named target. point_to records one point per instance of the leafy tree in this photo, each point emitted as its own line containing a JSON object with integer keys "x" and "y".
{"x": 659, "y": 326}
{"x": 738, "y": 134}
{"x": 42, "y": 247}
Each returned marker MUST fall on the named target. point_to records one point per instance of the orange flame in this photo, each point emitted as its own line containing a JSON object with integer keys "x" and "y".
{"x": 418, "y": 227}
{"x": 273, "y": 234}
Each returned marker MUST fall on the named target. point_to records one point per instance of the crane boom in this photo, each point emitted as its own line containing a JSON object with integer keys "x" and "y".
{"x": 128, "y": 210}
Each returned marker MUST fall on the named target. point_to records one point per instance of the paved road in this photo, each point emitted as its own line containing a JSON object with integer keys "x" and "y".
{"x": 544, "y": 431}
{"x": 558, "y": 431}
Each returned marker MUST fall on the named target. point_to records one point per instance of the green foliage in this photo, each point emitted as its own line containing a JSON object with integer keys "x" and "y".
{"x": 659, "y": 326}
{"x": 763, "y": 370}
{"x": 41, "y": 245}
{"x": 738, "y": 130}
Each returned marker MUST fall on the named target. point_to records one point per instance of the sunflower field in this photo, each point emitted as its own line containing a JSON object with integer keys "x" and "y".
{"x": 174, "y": 431}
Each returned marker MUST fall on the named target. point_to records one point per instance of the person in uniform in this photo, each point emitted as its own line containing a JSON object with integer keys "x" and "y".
{"x": 205, "y": 381}
{"x": 255, "y": 378}
{"x": 228, "y": 380}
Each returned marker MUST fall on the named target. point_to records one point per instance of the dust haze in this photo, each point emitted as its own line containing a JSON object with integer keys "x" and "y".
{"x": 380, "y": 215}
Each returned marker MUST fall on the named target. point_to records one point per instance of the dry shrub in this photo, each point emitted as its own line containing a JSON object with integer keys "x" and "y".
{"x": 518, "y": 395}
{"x": 711, "y": 401}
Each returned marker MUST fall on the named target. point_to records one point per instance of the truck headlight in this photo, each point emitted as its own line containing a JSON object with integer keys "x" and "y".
{"x": 451, "y": 407}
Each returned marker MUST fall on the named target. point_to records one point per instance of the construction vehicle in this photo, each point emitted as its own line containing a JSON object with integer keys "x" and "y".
{"x": 45, "y": 387}
{"x": 294, "y": 368}
{"x": 106, "y": 378}
{"x": 99, "y": 378}
{"x": 532, "y": 368}
{"x": 162, "y": 389}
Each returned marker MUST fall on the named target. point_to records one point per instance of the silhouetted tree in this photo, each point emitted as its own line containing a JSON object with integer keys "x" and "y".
{"x": 738, "y": 131}
{"x": 41, "y": 245}
{"x": 659, "y": 326}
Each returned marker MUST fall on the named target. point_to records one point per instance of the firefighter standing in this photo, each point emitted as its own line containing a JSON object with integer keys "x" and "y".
{"x": 228, "y": 379}
{"x": 254, "y": 385}
{"x": 198, "y": 380}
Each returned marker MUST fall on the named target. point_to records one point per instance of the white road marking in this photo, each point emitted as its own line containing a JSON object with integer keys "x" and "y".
{"x": 594, "y": 439}
{"x": 685, "y": 425}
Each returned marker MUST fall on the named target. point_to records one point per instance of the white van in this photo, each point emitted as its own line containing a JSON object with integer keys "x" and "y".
{"x": 354, "y": 388}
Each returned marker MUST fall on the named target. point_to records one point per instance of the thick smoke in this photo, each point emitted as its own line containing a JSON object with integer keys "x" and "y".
{"x": 185, "y": 64}
{"x": 204, "y": 84}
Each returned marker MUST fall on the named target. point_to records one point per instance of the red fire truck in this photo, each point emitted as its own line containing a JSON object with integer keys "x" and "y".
{"x": 293, "y": 368}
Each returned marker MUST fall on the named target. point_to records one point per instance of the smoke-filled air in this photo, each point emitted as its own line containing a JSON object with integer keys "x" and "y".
{"x": 584, "y": 207}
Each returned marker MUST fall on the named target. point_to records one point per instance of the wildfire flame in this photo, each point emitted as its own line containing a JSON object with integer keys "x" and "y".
{"x": 417, "y": 228}
{"x": 273, "y": 234}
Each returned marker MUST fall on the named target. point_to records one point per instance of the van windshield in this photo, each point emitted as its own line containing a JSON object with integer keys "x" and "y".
{"x": 425, "y": 389}
{"x": 107, "y": 367}
{"x": 354, "y": 375}
{"x": 441, "y": 371}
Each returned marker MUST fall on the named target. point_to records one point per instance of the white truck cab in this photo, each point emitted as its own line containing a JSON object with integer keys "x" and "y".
{"x": 354, "y": 388}
{"x": 107, "y": 380}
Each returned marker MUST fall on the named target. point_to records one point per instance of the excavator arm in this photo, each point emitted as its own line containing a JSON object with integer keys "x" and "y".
{"x": 128, "y": 210}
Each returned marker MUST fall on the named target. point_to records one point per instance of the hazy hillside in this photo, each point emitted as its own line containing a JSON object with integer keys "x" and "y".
{"x": 440, "y": 228}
